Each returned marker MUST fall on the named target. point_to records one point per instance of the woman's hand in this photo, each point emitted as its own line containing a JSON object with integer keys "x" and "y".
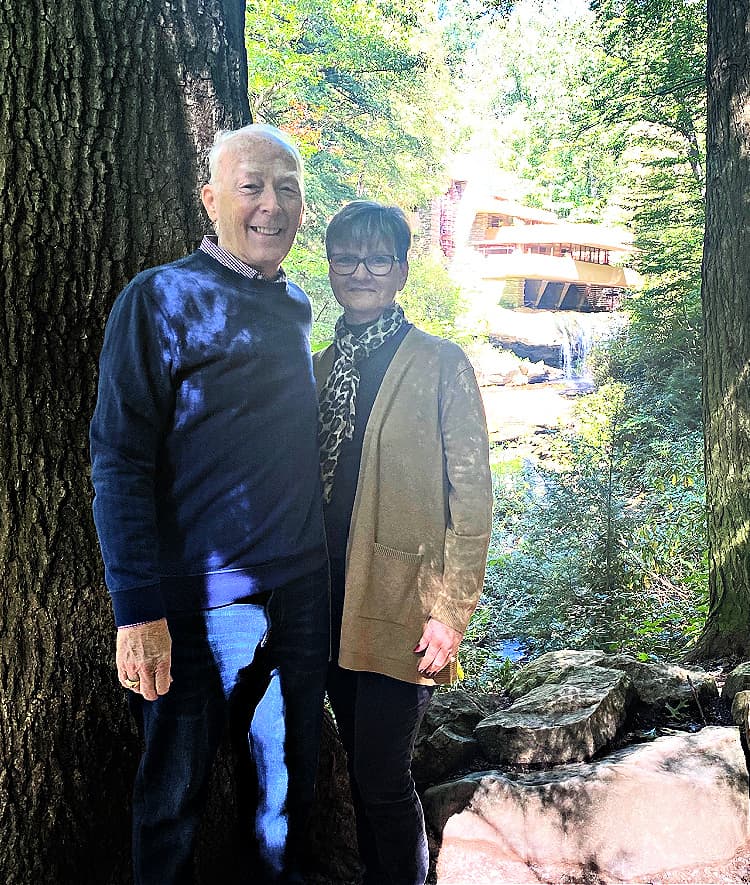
{"x": 438, "y": 645}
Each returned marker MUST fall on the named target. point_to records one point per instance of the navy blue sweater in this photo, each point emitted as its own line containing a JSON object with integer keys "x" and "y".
{"x": 203, "y": 442}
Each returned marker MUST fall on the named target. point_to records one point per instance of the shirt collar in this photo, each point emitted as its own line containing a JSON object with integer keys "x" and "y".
{"x": 210, "y": 245}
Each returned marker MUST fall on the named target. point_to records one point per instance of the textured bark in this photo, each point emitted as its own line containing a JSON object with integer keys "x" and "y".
{"x": 726, "y": 310}
{"x": 332, "y": 835}
{"x": 106, "y": 106}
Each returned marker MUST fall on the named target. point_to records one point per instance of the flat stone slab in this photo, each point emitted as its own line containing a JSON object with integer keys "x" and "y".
{"x": 679, "y": 802}
{"x": 559, "y": 722}
{"x": 552, "y": 667}
{"x": 658, "y": 686}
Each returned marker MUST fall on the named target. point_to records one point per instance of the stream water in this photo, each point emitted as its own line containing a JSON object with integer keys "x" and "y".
{"x": 512, "y": 649}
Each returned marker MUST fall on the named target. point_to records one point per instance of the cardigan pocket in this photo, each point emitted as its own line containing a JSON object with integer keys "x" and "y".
{"x": 392, "y": 587}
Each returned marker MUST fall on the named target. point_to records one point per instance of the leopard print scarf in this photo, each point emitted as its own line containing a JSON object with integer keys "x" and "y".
{"x": 338, "y": 398}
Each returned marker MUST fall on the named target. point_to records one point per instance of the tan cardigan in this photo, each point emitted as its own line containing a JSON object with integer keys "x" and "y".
{"x": 422, "y": 511}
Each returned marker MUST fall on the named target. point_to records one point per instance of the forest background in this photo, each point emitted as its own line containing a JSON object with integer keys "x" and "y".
{"x": 596, "y": 112}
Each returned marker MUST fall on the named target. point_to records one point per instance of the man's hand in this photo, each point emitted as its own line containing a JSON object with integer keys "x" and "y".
{"x": 144, "y": 658}
{"x": 439, "y": 643}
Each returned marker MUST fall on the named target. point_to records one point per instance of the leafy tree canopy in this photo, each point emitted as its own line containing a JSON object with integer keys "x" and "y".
{"x": 355, "y": 83}
{"x": 522, "y": 80}
{"x": 649, "y": 84}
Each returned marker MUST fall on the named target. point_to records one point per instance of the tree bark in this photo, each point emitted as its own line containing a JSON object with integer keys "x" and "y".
{"x": 726, "y": 313}
{"x": 107, "y": 106}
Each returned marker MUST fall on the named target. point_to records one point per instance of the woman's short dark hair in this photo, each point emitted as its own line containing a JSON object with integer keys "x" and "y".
{"x": 363, "y": 221}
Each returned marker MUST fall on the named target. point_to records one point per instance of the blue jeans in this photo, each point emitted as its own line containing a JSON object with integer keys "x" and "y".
{"x": 378, "y": 719}
{"x": 258, "y": 668}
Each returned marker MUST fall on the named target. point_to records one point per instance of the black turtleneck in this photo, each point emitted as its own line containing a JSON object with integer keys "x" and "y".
{"x": 372, "y": 369}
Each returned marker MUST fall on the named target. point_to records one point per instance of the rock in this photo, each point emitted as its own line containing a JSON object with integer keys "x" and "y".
{"x": 558, "y": 722}
{"x": 677, "y": 802}
{"x": 442, "y": 801}
{"x": 658, "y": 686}
{"x": 518, "y": 379}
{"x": 737, "y": 680}
{"x": 491, "y": 364}
{"x": 442, "y": 754}
{"x": 458, "y": 708}
{"x": 665, "y": 687}
{"x": 535, "y": 372}
{"x": 499, "y": 378}
{"x": 541, "y": 352}
{"x": 446, "y": 741}
{"x": 551, "y": 668}
{"x": 741, "y": 709}
{"x": 578, "y": 387}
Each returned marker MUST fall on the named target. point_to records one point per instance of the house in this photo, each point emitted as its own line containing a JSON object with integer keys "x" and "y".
{"x": 537, "y": 260}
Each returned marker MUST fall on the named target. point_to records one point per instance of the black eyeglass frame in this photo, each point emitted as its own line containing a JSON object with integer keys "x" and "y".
{"x": 350, "y": 273}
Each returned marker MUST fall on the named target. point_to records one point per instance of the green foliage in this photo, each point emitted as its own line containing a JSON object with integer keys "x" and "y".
{"x": 524, "y": 79}
{"x": 658, "y": 357}
{"x": 361, "y": 87}
{"x": 652, "y": 68}
{"x": 650, "y": 84}
{"x": 308, "y": 267}
{"x": 356, "y": 83}
{"x": 431, "y": 300}
{"x": 485, "y": 666}
{"x": 659, "y": 354}
{"x": 602, "y": 543}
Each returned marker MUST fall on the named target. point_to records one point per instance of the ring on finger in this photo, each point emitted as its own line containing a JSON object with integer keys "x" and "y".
{"x": 131, "y": 683}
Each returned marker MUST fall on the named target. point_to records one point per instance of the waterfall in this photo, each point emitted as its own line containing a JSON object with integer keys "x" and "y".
{"x": 579, "y": 332}
{"x": 575, "y": 347}
{"x": 562, "y": 339}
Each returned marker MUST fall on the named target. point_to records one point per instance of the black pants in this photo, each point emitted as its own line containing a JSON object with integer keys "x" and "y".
{"x": 378, "y": 719}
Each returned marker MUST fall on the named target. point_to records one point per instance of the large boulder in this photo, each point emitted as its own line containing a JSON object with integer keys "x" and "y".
{"x": 458, "y": 708}
{"x": 551, "y": 668}
{"x": 444, "y": 753}
{"x": 741, "y": 710}
{"x": 678, "y": 802}
{"x": 661, "y": 688}
{"x": 534, "y": 352}
{"x": 737, "y": 680}
{"x": 446, "y": 742}
{"x": 558, "y": 722}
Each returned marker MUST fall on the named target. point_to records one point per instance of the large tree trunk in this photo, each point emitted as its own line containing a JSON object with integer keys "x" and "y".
{"x": 107, "y": 105}
{"x": 726, "y": 310}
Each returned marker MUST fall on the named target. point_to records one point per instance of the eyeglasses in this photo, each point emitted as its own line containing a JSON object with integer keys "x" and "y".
{"x": 377, "y": 265}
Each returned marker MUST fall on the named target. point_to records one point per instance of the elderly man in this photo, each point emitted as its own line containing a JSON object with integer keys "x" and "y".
{"x": 205, "y": 467}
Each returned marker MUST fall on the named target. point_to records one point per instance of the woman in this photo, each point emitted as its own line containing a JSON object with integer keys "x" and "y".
{"x": 404, "y": 458}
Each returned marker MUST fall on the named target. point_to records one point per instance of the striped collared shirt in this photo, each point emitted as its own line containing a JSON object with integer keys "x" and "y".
{"x": 210, "y": 244}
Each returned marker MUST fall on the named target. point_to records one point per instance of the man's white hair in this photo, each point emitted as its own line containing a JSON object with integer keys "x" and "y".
{"x": 225, "y": 137}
